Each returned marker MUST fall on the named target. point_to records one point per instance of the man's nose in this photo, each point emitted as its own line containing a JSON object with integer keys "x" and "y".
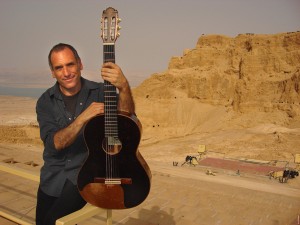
{"x": 65, "y": 71}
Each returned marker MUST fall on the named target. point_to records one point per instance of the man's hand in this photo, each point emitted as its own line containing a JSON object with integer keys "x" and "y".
{"x": 94, "y": 109}
{"x": 112, "y": 73}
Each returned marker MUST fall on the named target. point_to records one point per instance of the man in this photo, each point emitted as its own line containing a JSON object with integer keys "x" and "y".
{"x": 62, "y": 111}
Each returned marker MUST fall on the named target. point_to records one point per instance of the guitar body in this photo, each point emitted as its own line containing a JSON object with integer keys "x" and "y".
{"x": 116, "y": 179}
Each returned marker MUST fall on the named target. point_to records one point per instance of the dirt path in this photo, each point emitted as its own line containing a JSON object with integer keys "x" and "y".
{"x": 254, "y": 183}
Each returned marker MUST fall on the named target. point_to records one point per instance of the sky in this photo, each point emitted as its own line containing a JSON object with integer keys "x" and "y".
{"x": 151, "y": 32}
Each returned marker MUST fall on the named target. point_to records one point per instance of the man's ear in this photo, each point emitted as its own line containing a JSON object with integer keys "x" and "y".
{"x": 52, "y": 74}
{"x": 80, "y": 64}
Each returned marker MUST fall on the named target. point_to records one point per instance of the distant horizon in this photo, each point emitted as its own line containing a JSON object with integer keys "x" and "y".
{"x": 22, "y": 92}
{"x": 29, "y": 90}
{"x": 152, "y": 32}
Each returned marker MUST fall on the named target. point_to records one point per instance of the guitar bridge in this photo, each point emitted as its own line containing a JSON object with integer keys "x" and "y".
{"x": 112, "y": 180}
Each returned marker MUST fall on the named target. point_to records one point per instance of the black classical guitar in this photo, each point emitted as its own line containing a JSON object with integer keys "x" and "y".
{"x": 114, "y": 175}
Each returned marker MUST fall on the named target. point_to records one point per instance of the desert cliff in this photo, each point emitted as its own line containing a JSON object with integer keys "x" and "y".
{"x": 243, "y": 91}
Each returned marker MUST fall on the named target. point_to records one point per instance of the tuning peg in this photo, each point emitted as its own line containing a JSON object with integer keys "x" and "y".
{"x": 119, "y": 27}
{"x": 119, "y": 20}
{"x": 118, "y": 34}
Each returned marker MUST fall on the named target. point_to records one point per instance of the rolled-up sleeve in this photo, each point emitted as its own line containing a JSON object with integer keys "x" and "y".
{"x": 47, "y": 123}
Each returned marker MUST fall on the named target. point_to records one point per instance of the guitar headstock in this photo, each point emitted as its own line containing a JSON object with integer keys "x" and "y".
{"x": 110, "y": 26}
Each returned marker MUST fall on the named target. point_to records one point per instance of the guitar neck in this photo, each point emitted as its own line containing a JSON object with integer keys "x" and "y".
{"x": 109, "y": 53}
{"x": 108, "y": 56}
{"x": 110, "y": 96}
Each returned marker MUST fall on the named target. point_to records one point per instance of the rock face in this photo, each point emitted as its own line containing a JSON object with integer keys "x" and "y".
{"x": 249, "y": 72}
{"x": 224, "y": 83}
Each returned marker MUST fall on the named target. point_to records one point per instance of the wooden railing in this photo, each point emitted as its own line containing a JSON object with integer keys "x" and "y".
{"x": 86, "y": 212}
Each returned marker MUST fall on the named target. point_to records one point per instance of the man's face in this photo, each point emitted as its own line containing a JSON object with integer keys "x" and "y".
{"x": 67, "y": 71}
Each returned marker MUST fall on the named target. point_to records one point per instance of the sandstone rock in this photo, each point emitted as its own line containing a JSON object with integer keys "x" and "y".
{"x": 254, "y": 72}
{"x": 244, "y": 81}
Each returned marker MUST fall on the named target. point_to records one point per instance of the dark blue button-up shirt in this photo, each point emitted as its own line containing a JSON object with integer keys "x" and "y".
{"x": 52, "y": 116}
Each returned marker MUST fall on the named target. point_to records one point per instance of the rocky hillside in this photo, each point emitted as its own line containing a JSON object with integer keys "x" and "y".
{"x": 241, "y": 81}
{"x": 249, "y": 72}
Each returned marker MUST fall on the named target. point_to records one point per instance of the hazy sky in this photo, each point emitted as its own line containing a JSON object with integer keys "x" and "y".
{"x": 152, "y": 31}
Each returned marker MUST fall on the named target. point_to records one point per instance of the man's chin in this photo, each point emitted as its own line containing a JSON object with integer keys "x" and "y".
{"x": 70, "y": 84}
{"x": 69, "y": 87}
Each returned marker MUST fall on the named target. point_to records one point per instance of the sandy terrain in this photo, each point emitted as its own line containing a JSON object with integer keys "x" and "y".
{"x": 179, "y": 194}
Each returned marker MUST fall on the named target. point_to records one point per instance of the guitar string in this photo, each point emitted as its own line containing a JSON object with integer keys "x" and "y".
{"x": 106, "y": 119}
{"x": 107, "y": 122}
{"x": 110, "y": 120}
{"x": 109, "y": 125}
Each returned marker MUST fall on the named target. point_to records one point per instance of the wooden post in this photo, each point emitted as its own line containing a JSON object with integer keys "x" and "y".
{"x": 109, "y": 217}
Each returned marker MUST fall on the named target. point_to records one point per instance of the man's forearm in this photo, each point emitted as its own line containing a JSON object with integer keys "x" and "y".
{"x": 126, "y": 102}
{"x": 66, "y": 136}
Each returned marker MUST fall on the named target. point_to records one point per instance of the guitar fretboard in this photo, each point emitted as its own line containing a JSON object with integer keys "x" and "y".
{"x": 110, "y": 97}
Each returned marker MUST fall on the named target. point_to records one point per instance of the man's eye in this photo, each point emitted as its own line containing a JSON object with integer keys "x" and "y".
{"x": 70, "y": 64}
{"x": 57, "y": 67}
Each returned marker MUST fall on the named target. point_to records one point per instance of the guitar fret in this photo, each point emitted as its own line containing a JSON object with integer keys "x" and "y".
{"x": 109, "y": 53}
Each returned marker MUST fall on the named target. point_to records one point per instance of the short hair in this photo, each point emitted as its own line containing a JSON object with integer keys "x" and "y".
{"x": 60, "y": 47}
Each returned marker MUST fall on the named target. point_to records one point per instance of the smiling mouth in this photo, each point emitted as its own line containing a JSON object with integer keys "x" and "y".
{"x": 69, "y": 78}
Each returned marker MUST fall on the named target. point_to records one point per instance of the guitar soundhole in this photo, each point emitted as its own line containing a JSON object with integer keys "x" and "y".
{"x": 111, "y": 145}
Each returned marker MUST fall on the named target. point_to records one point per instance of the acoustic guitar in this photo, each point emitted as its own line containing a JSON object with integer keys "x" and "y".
{"x": 114, "y": 175}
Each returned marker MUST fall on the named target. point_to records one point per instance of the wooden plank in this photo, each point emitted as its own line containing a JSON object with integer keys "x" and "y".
{"x": 30, "y": 175}
{"x": 13, "y": 218}
{"x": 86, "y": 212}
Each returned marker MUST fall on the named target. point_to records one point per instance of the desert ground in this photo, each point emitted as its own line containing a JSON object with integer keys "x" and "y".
{"x": 179, "y": 194}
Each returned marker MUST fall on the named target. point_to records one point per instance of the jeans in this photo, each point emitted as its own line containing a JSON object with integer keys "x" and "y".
{"x": 49, "y": 208}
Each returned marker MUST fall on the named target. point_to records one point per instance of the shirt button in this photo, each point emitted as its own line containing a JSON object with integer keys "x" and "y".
{"x": 80, "y": 103}
{"x": 70, "y": 118}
